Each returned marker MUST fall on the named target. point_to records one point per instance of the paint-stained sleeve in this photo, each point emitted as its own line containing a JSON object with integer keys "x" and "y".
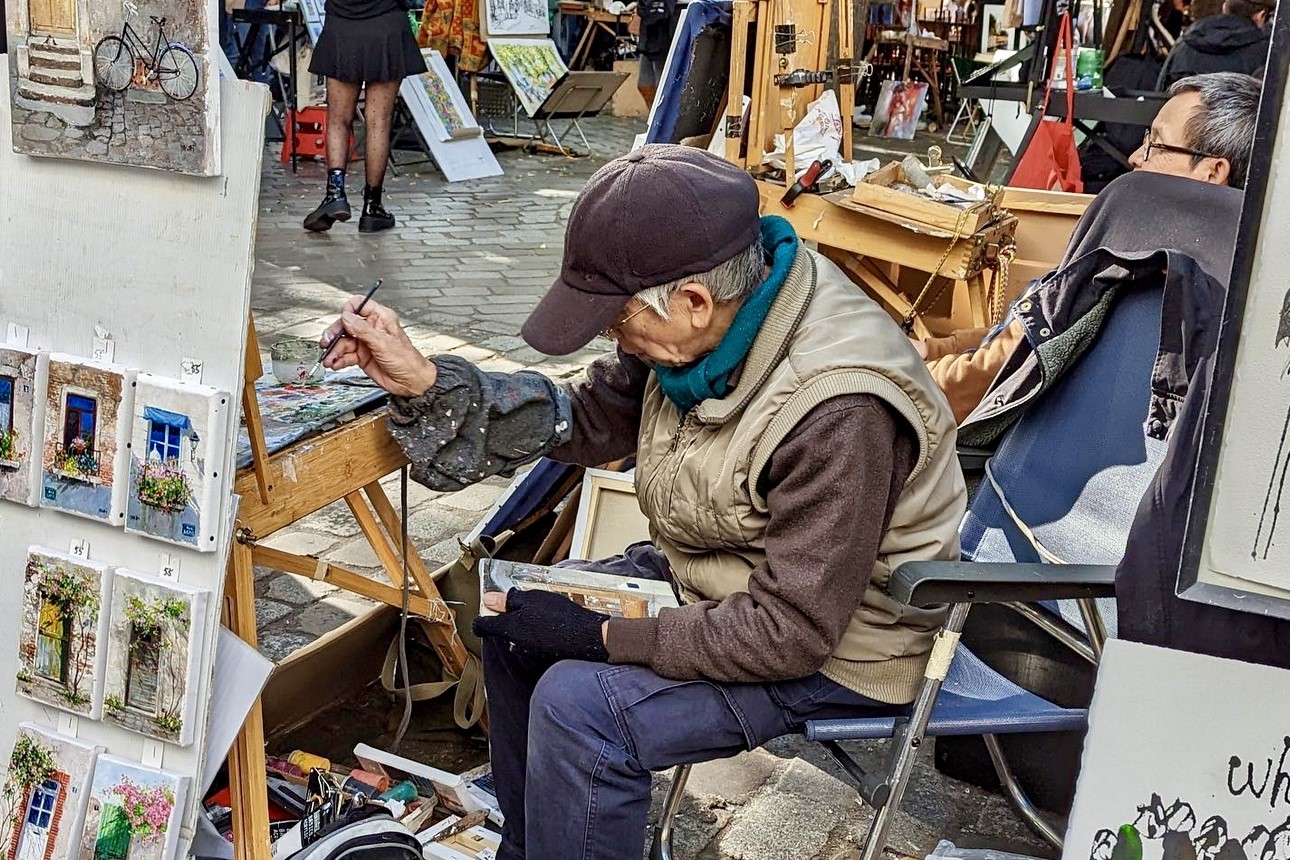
{"x": 472, "y": 424}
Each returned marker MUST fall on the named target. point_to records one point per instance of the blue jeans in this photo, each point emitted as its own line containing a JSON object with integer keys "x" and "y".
{"x": 573, "y": 743}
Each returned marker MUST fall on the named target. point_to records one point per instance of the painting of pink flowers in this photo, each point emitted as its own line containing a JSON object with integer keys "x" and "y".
{"x": 134, "y": 812}
{"x": 175, "y": 488}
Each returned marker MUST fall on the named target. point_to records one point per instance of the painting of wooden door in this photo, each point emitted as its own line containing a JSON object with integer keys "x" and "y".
{"x": 57, "y": 17}
{"x": 113, "y": 842}
{"x": 35, "y": 840}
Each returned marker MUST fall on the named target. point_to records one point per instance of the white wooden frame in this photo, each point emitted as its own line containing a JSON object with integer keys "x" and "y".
{"x": 597, "y": 486}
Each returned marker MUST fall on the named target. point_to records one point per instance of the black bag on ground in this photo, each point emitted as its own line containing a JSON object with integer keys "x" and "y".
{"x": 369, "y": 833}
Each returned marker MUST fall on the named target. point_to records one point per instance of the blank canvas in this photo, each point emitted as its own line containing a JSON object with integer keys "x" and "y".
{"x": 176, "y": 489}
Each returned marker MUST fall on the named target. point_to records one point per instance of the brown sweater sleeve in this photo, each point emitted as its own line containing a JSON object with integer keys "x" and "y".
{"x": 966, "y": 376}
{"x": 821, "y": 545}
{"x": 960, "y": 341}
{"x": 606, "y": 411}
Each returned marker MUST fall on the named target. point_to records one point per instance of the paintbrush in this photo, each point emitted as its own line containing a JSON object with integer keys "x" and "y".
{"x": 359, "y": 310}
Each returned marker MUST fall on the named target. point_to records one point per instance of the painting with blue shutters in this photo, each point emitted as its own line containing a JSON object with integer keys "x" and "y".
{"x": 22, "y": 417}
{"x": 177, "y": 484}
{"x": 87, "y": 404}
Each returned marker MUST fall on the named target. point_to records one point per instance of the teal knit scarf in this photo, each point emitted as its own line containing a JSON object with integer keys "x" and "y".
{"x": 709, "y": 377}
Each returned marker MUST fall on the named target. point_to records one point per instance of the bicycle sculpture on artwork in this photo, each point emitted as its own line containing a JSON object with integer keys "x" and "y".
{"x": 118, "y": 60}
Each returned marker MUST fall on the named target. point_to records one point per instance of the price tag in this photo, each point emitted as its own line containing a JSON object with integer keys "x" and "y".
{"x": 80, "y": 548}
{"x": 169, "y": 566}
{"x": 191, "y": 370}
{"x": 104, "y": 349}
{"x": 68, "y": 725}
{"x": 17, "y": 334}
{"x": 153, "y": 752}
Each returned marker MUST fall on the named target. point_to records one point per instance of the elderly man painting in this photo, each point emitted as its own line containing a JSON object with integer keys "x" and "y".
{"x": 791, "y": 450}
{"x": 1205, "y": 132}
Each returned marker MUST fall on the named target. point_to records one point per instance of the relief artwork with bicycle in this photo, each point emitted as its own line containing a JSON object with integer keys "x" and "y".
{"x": 129, "y": 82}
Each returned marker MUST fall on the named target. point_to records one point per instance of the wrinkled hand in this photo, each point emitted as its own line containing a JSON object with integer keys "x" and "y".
{"x": 377, "y": 343}
{"x": 920, "y": 347}
{"x": 543, "y": 623}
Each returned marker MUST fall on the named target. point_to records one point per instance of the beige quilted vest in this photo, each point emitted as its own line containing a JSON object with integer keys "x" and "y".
{"x": 696, "y": 475}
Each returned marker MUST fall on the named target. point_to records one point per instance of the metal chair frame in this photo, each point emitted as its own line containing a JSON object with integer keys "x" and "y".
{"x": 925, "y": 584}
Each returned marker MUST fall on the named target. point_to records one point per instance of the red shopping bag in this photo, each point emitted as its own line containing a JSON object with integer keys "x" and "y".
{"x": 1051, "y": 160}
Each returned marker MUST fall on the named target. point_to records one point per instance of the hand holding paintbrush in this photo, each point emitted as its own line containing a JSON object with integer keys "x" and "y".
{"x": 368, "y": 335}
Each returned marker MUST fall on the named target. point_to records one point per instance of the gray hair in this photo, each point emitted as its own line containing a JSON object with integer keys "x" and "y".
{"x": 732, "y": 281}
{"x": 1223, "y": 125}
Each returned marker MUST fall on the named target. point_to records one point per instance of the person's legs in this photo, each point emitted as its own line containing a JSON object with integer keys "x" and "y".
{"x": 595, "y": 732}
{"x": 378, "y": 117}
{"x": 342, "y": 103}
{"x": 647, "y": 77}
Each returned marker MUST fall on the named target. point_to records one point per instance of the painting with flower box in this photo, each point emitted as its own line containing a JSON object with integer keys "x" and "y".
{"x": 154, "y": 636}
{"x": 45, "y": 794}
{"x": 175, "y": 486}
{"x": 84, "y": 454}
{"x": 61, "y": 653}
{"x": 22, "y": 416}
{"x": 134, "y": 812}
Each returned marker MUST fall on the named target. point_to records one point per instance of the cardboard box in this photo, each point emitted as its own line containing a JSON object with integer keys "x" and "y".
{"x": 875, "y": 193}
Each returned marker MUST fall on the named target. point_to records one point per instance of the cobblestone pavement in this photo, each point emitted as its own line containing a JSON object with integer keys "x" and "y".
{"x": 464, "y": 266}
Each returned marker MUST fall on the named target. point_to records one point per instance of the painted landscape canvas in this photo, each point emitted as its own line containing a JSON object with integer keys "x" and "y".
{"x": 450, "y": 114}
{"x": 133, "y": 82}
{"x": 45, "y": 794}
{"x": 533, "y": 66}
{"x": 175, "y": 485}
{"x": 87, "y": 405}
{"x": 1204, "y": 776}
{"x": 153, "y": 641}
{"x": 23, "y": 375}
{"x": 134, "y": 812}
{"x": 515, "y": 18}
{"x": 61, "y": 653}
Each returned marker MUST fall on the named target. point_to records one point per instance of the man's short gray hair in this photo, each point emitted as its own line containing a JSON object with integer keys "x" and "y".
{"x": 1223, "y": 125}
{"x": 732, "y": 281}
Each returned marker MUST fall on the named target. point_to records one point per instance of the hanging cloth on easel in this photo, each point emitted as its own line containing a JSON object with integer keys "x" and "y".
{"x": 451, "y": 27}
{"x": 1050, "y": 161}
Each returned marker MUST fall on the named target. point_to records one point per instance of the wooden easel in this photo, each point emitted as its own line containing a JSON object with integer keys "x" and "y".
{"x": 279, "y": 490}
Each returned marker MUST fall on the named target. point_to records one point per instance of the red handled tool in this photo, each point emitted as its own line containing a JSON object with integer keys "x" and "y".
{"x": 812, "y": 175}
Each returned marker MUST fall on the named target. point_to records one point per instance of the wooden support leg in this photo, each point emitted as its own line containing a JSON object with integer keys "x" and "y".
{"x": 975, "y": 288}
{"x": 250, "y": 799}
{"x": 738, "y": 74}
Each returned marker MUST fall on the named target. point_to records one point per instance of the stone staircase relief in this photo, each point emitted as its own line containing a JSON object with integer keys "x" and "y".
{"x": 56, "y": 77}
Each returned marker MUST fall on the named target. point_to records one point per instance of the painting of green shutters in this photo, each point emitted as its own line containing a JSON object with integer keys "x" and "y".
{"x": 114, "y": 835}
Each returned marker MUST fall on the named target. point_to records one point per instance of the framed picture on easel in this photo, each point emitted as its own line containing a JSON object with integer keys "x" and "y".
{"x": 1237, "y": 549}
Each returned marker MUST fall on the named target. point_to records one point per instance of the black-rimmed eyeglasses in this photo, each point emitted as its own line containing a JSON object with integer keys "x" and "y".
{"x": 1148, "y": 144}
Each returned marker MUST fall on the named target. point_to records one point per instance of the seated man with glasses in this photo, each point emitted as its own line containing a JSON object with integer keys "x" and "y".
{"x": 791, "y": 451}
{"x": 1204, "y": 132}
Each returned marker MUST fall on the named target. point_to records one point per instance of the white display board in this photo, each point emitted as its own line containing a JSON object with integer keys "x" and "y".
{"x": 159, "y": 265}
{"x": 1186, "y": 756}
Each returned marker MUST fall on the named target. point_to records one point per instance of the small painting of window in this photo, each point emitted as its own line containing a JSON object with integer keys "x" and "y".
{"x": 80, "y": 423}
{"x": 44, "y": 800}
{"x": 163, "y": 442}
{"x": 6, "y": 404}
{"x": 141, "y": 674}
{"x": 52, "y": 636}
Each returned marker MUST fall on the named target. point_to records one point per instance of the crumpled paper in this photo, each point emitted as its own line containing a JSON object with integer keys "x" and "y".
{"x": 818, "y": 137}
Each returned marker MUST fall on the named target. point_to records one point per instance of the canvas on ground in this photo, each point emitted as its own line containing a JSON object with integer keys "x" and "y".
{"x": 175, "y": 484}
{"x": 156, "y": 630}
{"x": 134, "y": 812}
{"x": 533, "y": 67}
{"x": 63, "y": 633}
{"x": 22, "y": 414}
{"x": 515, "y": 18}
{"x": 448, "y": 108}
{"x": 87, "y": 408}
{"x": 1187, "y": 756}
{"x": 132, "y": 82}
{"x": 47, "y": 789}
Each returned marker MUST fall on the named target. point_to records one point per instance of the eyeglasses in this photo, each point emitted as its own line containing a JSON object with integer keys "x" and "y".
{"x": 1148, "y": 144}
{"x": 611, "y": 332}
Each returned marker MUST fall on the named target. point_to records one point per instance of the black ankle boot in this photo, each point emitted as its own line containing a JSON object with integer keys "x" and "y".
{"x": 374, "y": 218}
{"x": 334, "y": 207}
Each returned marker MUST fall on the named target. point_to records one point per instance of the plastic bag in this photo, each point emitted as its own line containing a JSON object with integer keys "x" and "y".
{"x": 818, "y": 137}
{"x": 946, "y": 850}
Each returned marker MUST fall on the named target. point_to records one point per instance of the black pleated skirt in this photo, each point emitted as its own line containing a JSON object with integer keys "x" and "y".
{"x": 358, "y": 50}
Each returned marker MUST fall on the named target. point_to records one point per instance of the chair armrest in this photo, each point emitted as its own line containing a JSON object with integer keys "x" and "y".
{"x": 931, "y": 583}
{"x": 972, "y": 460}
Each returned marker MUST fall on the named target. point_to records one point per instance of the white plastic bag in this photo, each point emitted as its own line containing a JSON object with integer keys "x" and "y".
{"x": 946, "y": 850}
{"x": 818, "y": 137}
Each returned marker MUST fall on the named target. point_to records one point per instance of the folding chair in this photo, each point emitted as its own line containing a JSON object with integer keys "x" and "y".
{"x": 969, "y": 112}
{"x": 1063, "y": 484}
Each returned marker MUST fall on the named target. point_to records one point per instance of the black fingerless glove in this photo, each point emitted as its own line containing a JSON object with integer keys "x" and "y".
{"x": 542, "y": 623}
